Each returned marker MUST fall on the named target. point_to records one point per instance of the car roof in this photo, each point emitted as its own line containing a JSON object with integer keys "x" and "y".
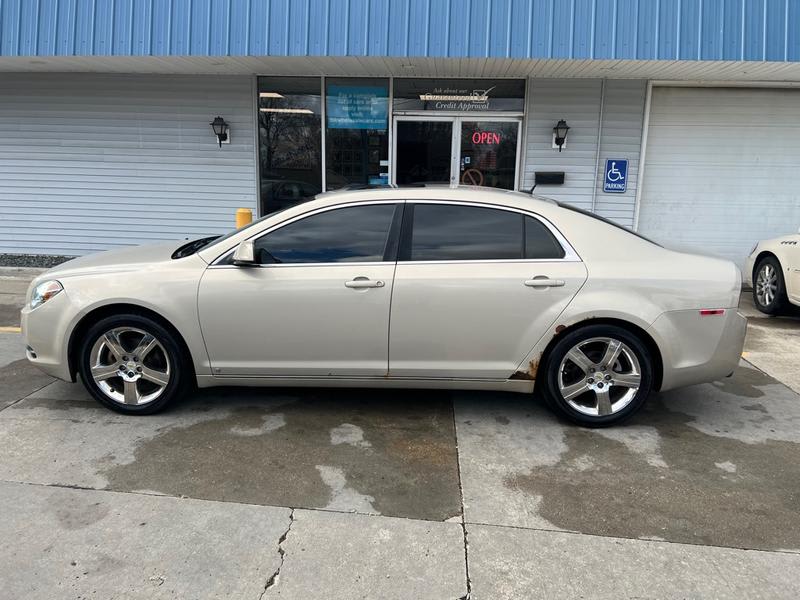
{"x": 461, "y": 193}
{"x": 544, "y": 207}
{"x": 570, "y": 221}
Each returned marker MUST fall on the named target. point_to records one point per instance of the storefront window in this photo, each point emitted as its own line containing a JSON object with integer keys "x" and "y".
{"x": 289, "y": 137}
{"x": 357, "y": 134}
{"x": 470, "y": 143}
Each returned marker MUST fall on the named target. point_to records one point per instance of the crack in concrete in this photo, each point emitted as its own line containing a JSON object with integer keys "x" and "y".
{"x": 18, "y": 400}
{"x": 468, "y": 595}
{"x": 273, "y": 579}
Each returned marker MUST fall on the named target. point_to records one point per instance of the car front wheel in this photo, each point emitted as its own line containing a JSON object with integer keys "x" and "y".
{"x": 598, "y": 375}
{"x": 769, "y": 292}
{"x": 132, "y": 364}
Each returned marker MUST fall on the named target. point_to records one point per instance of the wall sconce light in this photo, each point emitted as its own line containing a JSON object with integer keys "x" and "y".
{"x": 560, "y": 134}
{"x": 220, "y": 128}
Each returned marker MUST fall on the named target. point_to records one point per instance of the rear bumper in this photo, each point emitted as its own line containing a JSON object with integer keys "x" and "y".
{"x": 696, "y": 348}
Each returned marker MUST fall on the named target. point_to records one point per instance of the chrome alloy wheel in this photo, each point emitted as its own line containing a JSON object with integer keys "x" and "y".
{"x": 766, "y": 284}
{"x": 599, "y": 376}
{"x": 129, "y": 365}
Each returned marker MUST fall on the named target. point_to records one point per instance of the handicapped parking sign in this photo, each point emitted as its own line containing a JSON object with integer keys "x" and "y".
{"x": 616, "y": 178}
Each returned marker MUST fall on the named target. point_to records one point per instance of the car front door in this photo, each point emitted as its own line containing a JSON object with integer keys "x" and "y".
{"x": 475, "y": 288}
{"x": 317, "y": 302}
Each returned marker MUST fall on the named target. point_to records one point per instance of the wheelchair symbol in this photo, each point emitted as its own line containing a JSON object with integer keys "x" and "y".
{"x": 614, "y": 174}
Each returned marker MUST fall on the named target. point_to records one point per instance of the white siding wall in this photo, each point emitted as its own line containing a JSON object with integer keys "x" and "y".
{"x": 90, "y": 162}
{"x": 578, "y": 102}
{"x": 623, "y": 114}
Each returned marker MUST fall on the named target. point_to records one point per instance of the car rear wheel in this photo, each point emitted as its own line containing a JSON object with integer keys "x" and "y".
{"x": 769, "y": 291}
{"x": 132, "y": 364}
{"x": 598, "y": 375}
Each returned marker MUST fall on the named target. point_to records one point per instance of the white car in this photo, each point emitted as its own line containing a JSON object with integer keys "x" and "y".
{"x": 773, "y": 271}
{"x": 422, "y": 287}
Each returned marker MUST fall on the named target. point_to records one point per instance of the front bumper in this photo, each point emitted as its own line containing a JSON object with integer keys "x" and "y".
{"x": 45, "y": 335}
{"x": 696, "y": 348}
{"x": 747, "y": 273}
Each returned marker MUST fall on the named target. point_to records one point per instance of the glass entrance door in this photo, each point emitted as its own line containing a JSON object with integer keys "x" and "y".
{"x": 464, "y": 150}
{"x": 423, "y": 151}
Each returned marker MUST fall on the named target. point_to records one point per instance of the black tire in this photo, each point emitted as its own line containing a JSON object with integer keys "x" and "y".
{"x": 168, "y": 354}
{"x": 779, "y": 302}
{"x": 593, "y": 351}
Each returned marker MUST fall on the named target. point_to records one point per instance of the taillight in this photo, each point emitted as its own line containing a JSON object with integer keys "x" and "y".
{"x": 708, "y": 312}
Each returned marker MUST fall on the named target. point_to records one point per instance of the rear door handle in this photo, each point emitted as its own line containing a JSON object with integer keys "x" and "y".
{"x": 544, "y": 281}
{"x": 363, "y": 282}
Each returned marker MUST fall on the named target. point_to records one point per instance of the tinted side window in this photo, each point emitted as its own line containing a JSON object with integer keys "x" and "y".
{"x": 450, "y": 232}
{"x": 539, "y": 242}
{"x": 354, "y": 234}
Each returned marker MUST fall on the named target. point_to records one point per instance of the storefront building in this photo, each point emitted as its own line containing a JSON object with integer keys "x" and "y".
{"x": 678, "y": 118}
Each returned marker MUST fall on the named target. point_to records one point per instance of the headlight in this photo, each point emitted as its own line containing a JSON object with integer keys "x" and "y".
{"x": 44, "y": 291}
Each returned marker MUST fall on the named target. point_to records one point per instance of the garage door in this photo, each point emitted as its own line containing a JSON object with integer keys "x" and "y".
{"x": 722, "y": 168}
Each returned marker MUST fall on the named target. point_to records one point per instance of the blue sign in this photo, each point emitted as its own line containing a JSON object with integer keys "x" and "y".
{"x": 379, "y": 179}
{"x": 358, "y": 107}
{"x": 616, "y": 179}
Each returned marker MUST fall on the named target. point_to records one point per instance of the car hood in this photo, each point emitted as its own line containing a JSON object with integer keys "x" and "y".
{"x": 113, "y": 261}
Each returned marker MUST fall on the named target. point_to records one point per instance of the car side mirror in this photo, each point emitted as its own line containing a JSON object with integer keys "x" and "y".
{"x": 245, "y": 255}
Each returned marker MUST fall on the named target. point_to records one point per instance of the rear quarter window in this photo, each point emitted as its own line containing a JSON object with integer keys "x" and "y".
{"x": 540, "y": 243}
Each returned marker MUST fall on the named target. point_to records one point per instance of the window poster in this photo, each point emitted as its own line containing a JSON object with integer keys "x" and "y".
{"x": 357, "y": 107}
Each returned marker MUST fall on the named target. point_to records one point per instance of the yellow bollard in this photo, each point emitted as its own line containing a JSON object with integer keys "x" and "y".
{"x": 244, "y": 216}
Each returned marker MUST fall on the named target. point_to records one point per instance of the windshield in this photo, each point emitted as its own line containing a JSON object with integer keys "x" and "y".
{"x": 233, "y": 232}
{"x": 196, "y": 245}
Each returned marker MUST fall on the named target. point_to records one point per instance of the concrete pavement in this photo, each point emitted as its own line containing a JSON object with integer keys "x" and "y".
{"x": 707, "y": 465}
{"x": 67, "y": 543}
{"x": 525, "y": 563}
{"x": 771, "y": 343}
{"x": 335, "y": 450}
{"x": 405, "y": 494}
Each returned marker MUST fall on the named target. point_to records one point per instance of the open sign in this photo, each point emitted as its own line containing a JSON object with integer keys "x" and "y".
{"x": 485, "y": 137}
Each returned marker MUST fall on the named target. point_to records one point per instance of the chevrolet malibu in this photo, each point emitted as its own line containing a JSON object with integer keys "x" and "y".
{"x": 420, "y": 287}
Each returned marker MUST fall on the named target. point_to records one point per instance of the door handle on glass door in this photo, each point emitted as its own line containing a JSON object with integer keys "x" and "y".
{"x": 544, "y": 281}
{"x": 363, "y": 282}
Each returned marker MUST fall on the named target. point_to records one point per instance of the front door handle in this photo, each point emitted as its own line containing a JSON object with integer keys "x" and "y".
{"x": 363, "y": 282}
{"x": 544, "y": 281}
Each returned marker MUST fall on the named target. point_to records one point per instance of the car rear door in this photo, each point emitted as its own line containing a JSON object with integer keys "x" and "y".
{"x": 317, "y": 304}
{"x": 475, "y": 288}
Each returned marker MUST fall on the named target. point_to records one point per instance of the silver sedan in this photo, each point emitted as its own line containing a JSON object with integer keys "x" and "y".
{"x": 416, "y": 288}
